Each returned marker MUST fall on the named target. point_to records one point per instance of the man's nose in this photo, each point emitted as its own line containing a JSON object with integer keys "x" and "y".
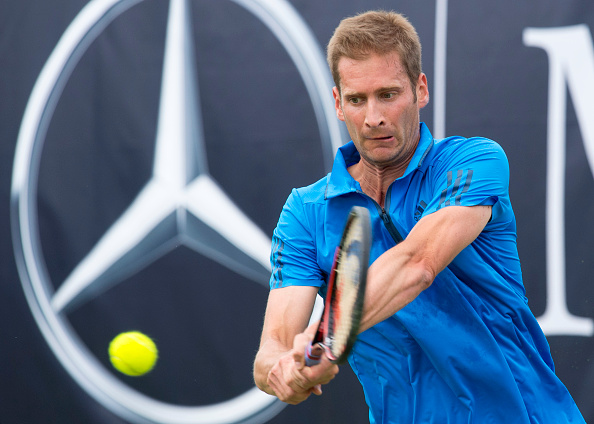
{"x": 374, "y": 116}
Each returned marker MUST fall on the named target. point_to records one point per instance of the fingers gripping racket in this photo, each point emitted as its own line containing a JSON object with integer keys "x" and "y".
{"x": 343, "y": 307}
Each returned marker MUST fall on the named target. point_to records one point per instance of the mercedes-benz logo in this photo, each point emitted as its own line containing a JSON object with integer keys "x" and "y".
{"x": 180, "y": 187}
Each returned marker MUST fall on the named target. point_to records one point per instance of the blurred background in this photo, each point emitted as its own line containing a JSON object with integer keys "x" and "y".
{"x": 147, "y": 148}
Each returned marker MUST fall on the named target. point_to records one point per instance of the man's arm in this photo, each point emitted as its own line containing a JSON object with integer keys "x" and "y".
{"x": 399, "y": 275}
{"x": 394, "y": 280}
{"x": 279, "y": 367}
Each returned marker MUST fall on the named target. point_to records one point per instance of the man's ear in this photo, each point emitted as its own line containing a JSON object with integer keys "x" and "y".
{"x": 337, "y": 105}
{"x": 422, "y": 91}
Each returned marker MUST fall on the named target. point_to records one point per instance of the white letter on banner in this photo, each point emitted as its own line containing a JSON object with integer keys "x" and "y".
{"x": 571, "y": 60}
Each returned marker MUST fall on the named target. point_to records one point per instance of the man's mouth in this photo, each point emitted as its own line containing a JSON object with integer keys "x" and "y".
{"x": 381, "y": 138}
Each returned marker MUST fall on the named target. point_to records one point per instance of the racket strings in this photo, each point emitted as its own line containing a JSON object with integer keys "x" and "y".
{"x": 348, "y": 272}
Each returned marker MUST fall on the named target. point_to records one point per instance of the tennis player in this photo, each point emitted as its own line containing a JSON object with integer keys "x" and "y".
{"x": 447, "y": 335}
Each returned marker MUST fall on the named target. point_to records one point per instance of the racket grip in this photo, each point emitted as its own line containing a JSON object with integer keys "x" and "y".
{"x": 313, "y": 354}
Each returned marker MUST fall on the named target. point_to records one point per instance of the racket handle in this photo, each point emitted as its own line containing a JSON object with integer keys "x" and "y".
{"x": 313, "y": 354}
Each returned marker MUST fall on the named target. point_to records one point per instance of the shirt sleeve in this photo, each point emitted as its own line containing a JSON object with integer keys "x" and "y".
{"x": 293, "y": 254}
{"x": 472, "y": 172}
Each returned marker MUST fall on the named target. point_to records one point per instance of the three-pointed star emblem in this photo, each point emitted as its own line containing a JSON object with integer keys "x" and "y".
{"x": 181, "y": 204}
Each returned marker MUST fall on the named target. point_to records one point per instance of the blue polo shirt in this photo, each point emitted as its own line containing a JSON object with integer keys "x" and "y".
{"x": 467, "y": 349}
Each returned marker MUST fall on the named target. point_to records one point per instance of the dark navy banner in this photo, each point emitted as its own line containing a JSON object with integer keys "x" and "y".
{"x": 148, "y": 146}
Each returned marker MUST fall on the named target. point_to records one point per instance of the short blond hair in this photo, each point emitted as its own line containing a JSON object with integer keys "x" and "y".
{"x": 376, "y": 32}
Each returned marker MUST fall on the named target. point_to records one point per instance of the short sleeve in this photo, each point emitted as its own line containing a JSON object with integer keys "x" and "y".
{"x": 293, "y": 254}
{"x": 471, "y": 172}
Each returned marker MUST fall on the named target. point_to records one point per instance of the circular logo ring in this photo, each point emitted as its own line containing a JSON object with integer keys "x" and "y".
{"x": 252, "y": 406}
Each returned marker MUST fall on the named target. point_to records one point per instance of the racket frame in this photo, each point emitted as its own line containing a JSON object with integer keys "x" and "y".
{"x": 321, "y": 344}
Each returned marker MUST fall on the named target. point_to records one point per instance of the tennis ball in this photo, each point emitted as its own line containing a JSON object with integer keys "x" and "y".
{"x": 133, "y": 353}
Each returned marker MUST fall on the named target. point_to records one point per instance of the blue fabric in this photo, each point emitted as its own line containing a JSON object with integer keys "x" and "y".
{"x": 467, "y": 349}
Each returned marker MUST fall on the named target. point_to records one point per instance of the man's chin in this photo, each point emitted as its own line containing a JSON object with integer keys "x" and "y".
{"x": 382, "y": 156}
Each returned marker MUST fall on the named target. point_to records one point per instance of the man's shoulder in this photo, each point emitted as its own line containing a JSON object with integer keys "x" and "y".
{"x": 456, "y": 142}
{"x": 465, "y": 148}
{"x": 313, "y": 193}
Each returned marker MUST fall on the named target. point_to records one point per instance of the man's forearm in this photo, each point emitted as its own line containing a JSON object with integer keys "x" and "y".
{"x": 266, "y": 358}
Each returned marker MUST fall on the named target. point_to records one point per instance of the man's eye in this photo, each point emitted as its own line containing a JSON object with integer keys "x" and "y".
{"x": 354, "y": 100}
{"x": 389, "y": 95}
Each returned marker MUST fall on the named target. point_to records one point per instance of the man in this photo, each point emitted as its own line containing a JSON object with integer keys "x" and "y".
{"x": 447, "y": 336}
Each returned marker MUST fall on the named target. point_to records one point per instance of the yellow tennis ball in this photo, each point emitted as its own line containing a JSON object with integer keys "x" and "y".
{"x": 133, "y": 353}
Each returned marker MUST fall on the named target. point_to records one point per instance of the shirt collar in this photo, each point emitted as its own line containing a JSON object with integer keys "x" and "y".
{"x": 341, "y": 182}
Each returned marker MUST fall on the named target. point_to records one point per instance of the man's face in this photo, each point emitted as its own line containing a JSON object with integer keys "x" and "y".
{"x": 378, "y": 105}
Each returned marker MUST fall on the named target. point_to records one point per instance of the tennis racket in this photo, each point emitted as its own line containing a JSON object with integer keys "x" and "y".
{"x": 343, "y": 307}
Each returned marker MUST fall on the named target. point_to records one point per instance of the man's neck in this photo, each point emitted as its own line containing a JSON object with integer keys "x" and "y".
{"x": 375, "y": 180}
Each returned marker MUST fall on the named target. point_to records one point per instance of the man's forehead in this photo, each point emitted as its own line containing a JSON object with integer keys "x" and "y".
{"x": 370, "y": 69}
